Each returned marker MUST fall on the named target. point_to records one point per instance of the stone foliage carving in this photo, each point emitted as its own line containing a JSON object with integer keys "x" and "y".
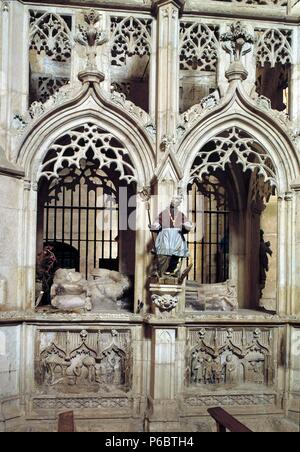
{"x": 281, "y": 117}
{"x": 49, "y": 33}
{"x": 231, "y": 400}
{"x": 37, "y": 109}
{"x": 274, "y": 46}
{"x": 199, "y": 47}
{"x": 237, "y": 42}
{"x": 74, "y": 146}
{"x": 91, "y": 37}
{"x": 231, "y": 357}
{"x": 195, "y": 113}
{"x": 165, "y": 302}
{"x": 232, "y": 142}
{"x": 130, "y": 36}
{"x": 91, "y": 361}
{"x": 120, "y": 99}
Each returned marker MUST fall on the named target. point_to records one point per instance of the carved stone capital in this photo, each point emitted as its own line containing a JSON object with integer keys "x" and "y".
{"x": 165, "y": 302}
{"x": 157, "y": 4}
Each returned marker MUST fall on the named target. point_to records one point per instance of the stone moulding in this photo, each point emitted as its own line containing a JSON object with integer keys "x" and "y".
{"x": 76, "y": 403}
{"x": 40, "y": 111}
{"x": 137, "y": 319}
{"x": 198, "y": 401}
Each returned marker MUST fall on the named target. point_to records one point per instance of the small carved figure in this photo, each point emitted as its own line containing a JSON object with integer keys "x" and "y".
{"x": 264, "y": 252}
{"x": 231, "y": 370}
{"x": 197, "y": 368}
{"x": 170, "y": 245}
{"x": 217, "y": 370}
{"x": 208, "y": 371}
{"x": 256, "y": 372}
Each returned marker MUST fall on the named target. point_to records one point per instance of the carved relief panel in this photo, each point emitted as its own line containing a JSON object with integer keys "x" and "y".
{"x": 230, "y": 357}
{"x": 87, "y": 361}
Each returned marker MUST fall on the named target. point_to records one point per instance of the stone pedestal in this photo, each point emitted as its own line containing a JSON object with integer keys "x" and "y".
{"x": 167, "y": 299}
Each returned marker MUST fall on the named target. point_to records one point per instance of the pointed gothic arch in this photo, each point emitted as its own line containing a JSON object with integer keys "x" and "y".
{"x": 126, "y": 129}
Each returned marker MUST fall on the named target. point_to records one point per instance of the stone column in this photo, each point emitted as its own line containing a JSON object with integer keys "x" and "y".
{"x": 163, "y": 410}
{"x": 142, "y": 255}
{"x": 14, "y": 69}
{"x": 295, "y": 244}
{"x": 284, "y": 251}
{"x": 294, "y": 83}
{"x": 167, "y": 12}
{"x": 270, "y": 228}
{"x": 29, "y": 232}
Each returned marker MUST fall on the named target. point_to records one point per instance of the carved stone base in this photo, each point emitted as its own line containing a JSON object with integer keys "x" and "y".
{"x": 91, "y": 76}
{"x": 162, "y": 416}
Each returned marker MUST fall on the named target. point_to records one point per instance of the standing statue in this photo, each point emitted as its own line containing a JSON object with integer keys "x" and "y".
{"x": 170, "y": 245}
{"x": 264, "y": 252}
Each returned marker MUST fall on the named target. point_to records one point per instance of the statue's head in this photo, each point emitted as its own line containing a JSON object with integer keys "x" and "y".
{"x": 176, "y": 201}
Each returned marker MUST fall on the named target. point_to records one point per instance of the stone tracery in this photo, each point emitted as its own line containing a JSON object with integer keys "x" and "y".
{"x": 130, "y": 36}
{"x": 74, "y": 145}
{"x": 274, "y": 46}
{"x": 234, "y": 142}
{"x": 199, "y": 47}
{"x": 49, "y": 33}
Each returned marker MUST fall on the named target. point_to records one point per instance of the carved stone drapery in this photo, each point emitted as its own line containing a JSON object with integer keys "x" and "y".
{"x": 74, "y": 145}
{"x": 234, "y": 142}
{"x": 239, "y": 356}
{"x": 91, "y": 361}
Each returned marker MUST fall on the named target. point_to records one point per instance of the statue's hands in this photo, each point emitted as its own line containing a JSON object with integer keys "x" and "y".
{"x": 155, "y": 227}
{"x": 187, "y": 227}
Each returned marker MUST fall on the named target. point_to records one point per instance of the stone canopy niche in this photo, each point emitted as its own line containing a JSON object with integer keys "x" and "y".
{"x": 85, "y": 184}
{"x": 233, "y": 203}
